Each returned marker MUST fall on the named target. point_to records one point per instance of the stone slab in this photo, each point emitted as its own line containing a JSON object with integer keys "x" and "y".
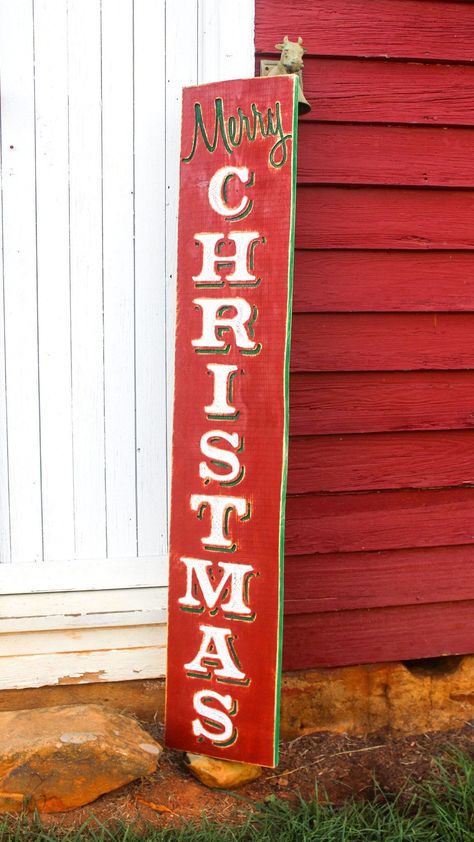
{"x": 57, "y": 758}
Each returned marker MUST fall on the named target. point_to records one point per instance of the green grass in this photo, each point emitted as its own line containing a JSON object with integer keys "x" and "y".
{"x": 441, "y": 810}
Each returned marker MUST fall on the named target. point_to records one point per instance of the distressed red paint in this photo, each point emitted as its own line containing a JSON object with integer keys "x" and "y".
{"x": 230, "y": 418}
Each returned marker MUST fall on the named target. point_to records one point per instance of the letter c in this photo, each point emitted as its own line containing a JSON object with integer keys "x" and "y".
{"x": 217, "y": 189}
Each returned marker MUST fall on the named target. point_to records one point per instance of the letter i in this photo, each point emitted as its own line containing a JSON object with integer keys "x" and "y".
{"x": 222, "y": 389}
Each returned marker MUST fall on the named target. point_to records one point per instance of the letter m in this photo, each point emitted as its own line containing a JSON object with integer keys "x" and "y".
{"x": 233, "y": 581}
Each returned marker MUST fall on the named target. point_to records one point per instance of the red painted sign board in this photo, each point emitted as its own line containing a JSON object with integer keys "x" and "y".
{"x": 235, "y": 258}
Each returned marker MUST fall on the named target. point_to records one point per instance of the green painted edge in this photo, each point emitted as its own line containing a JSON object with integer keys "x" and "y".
{"x": 286, "y": 385}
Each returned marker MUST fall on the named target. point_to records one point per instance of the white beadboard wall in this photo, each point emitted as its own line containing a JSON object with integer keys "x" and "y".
{"x": 90, "y": 122}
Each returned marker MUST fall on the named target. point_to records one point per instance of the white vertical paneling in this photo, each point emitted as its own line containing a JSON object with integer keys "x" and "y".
{"x": 216, "y": 42}
{"x": 150, "y": 273}
{"x": 19, "y": 231}
{"x": 87, "y": 339}
{"x": 181, "y": 70}
{"x": 90, "y": 147}
{"x": 94, "y": 267}
{"x": 5, "y": 555}
{"x": 51, "y": 79}
{"x": 118, "y": 263}
{"x": 225, "y": 40}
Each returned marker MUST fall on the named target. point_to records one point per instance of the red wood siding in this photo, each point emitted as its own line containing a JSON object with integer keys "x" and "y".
{"x": 385, "y": 281}
{"x": 381, "y": 461}
{"x": 380, "y": 509}
{"x": 416, "y": 29}
{"x": 390, "y": 92}
{"x": 395, "y": 155}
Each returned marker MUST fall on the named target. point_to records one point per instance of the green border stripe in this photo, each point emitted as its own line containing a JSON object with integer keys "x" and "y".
{"x": 286, "y": 385}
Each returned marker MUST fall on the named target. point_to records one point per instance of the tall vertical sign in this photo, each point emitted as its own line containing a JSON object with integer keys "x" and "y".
{"x": 235, "y": 257}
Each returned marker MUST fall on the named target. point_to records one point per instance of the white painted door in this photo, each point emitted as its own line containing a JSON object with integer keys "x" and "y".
{"x": 90, "y": 98}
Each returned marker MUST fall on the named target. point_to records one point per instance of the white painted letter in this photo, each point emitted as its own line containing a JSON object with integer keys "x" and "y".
{"x": 236, "y": 573}
{"x": 216, "y": 191}
{"x": 220, "y": 405}
{"x": 212, "y": 321}
{"x": 215, "y": 647}
{"x": 218, "y": 453}
{"x": 220, "y": 507}
{"x": 211, "y": 259}
{"x": 221, "y": 720}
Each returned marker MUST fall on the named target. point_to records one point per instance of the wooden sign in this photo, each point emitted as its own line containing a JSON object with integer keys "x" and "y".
{"x": 235, "y": 256}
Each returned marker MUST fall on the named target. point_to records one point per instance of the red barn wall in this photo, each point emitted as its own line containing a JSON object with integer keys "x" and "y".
{"x": 380, "y": 509}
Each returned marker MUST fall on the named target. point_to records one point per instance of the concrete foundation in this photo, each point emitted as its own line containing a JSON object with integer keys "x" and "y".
{"x": 412, "y": 697}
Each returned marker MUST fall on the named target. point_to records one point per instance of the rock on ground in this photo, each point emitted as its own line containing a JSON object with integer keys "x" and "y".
{"x": 221, "y": 774}
{"x": 57, "y": 758}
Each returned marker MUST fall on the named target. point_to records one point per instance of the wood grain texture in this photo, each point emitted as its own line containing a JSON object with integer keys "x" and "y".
{"x": 363, "y": 402}
{"x": 346, "y": 581}
{"x": 82, "y": 610}
{"x": 257, "y": 420}
{"x": 118, "y": 185}
{"x": 378, "y": 634}
{"x": 401, "y": 155}
{"x": 385, "y": 28}
{"x": 89, "y": 575}
{"x": 345, "y": 281}
{"x": 53, "y": 281}
{"x": 225, "y": 38}
{"x": 87, "y": 307}
{"x": 117, "y": 662}
{"x": 5, "y": 553}
{"x": 381, "y": 461}
{"x": 382, "y": 341}
{"x": 180, "y": 74}
{"x": 328, "y": 523}
{"x": 150, "y": 263}
{"x": 381, "y": 218}
{"x": 19, "y": 269}
{"x": 389, "y": 92}
{"x": 86, "y": 220}
{"x": 379, "y": 522}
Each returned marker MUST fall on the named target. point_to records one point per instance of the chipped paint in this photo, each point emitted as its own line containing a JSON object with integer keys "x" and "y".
{"x": 83, "y": 678}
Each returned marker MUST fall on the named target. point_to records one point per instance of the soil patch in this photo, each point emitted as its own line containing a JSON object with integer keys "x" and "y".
{"x": 338, "y": 767}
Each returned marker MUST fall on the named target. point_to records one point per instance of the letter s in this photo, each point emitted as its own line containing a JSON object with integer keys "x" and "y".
{"x": 223, "y": 724}
{"x": 213, "y": 453}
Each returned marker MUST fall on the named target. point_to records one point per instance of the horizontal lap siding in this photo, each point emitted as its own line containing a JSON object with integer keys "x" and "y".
{"x": 324, "y": 523}
{"x": 380, "y": 634}
{"x": 382, "y": 342}
{"x": 399, "y": 28}
{"x": 368, "y": 154}
{"x": 384, "y": 218}
{"x": 374, "y": 402}
{"x": 381, "y": 461}
{"x": 370, "y": 281}
{"x": 377, "y": 91}
{"x": 350, "y": 580}
{"x": 380, "y": 508}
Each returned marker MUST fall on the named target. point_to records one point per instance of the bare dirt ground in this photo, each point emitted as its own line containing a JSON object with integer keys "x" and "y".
{"x": 338, "y": 766}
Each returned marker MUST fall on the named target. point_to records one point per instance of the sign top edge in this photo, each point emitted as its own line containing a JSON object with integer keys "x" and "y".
{"x": 293, "y": 77}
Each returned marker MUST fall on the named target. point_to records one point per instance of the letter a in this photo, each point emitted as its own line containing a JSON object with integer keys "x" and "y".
{"x": 215, "y": 647}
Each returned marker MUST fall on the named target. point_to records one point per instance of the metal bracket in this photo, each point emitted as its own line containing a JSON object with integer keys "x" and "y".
{"x": 303, "y": 104}
{"x": 267, "y": 63}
